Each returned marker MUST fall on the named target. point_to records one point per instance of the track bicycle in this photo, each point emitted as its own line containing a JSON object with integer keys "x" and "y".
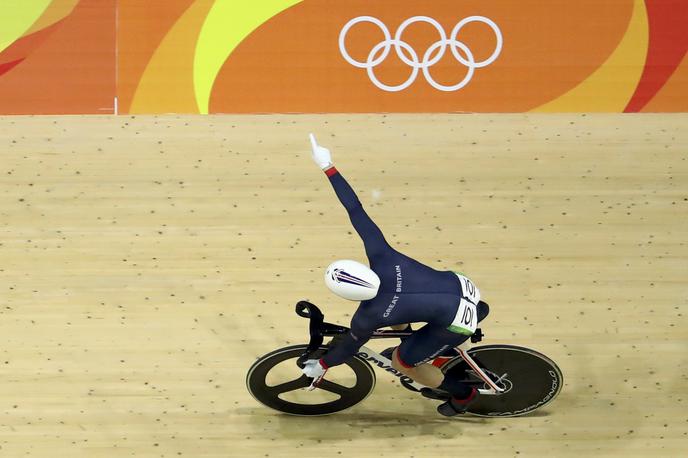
{"x": 512, "y": 380}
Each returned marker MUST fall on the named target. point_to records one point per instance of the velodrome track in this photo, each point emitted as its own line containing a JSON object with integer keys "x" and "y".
{"x": 145, "y": 262}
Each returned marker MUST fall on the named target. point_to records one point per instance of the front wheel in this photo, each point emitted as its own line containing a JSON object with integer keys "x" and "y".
{"x": 277, "y": 382}
{"x": 530, "y": 379}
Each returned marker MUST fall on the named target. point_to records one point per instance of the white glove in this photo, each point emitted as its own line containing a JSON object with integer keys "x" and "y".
{"x": 321, "y": 155}
{"x": 313, "y": 369}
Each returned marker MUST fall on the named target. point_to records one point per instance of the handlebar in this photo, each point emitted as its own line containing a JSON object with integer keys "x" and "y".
{"x": 307, "y": 310}
{"x": 304, "y": 308}
{"x": 317, "y": 328}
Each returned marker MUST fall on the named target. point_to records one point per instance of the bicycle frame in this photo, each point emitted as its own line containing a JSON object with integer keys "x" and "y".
{"x": 319, "y": 329}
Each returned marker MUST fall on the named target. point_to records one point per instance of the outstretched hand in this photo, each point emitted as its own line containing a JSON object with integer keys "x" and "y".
{"x": 321, "y": 155}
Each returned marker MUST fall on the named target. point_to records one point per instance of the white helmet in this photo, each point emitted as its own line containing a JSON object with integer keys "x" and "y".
{"x": 352, "y": 280}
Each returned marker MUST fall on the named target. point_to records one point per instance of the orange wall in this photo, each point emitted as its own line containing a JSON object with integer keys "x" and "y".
{"x": 247, "y": 56}
{"x": 63, "y": 63}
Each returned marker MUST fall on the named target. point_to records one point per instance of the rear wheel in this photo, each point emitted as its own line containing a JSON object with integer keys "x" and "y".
{"x": 276, "y": 381}
{"x": 530, "y": 379}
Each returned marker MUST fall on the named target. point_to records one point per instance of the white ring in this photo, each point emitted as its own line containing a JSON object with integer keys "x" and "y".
{"x": 413, "y": 20}
{"x": 495, "y": 29}
{"x": 383, "y": 48}
{"x": 353, "y": 22}
{"x": 460, "y": 84}
{"x": 405, "y": 84}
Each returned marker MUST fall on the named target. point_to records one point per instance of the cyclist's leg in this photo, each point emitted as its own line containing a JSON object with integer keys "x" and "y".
{"x": 412, "y": 358}
{"x": 426, "y": 374}
{"x": 414, "y": 355}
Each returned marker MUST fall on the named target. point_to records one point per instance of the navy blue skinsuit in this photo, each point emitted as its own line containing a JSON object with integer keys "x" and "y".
{"x": 409, "y": 292}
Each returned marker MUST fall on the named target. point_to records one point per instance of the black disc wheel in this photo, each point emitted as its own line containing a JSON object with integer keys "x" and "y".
{"x": 530, "y": 379}
{"x": 276, "y": 381}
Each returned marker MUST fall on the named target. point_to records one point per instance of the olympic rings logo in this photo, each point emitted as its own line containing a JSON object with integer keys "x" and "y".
{"x": 380, "y": 51}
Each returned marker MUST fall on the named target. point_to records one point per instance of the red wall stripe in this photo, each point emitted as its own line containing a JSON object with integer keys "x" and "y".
{"x": 668, "y": 43}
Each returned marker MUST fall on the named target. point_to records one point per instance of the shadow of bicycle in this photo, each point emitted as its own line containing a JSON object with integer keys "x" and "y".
{"x": 359, "y": 423}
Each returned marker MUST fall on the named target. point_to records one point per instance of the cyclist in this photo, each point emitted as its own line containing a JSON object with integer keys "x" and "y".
{"x": 396, "y": 291}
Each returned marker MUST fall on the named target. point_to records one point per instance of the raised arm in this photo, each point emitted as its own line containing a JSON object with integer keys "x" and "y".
{"x": 372, "y": 237}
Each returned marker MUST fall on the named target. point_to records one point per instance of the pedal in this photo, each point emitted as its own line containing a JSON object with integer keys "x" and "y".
{"x": 435, "y": 394}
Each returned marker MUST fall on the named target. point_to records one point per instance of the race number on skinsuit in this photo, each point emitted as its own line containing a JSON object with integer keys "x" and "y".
{"x": 466, "y": 319}
{"x": 470, "y": 291}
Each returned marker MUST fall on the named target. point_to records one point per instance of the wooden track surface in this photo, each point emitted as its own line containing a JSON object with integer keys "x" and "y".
{"x": 145, "y": 262}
